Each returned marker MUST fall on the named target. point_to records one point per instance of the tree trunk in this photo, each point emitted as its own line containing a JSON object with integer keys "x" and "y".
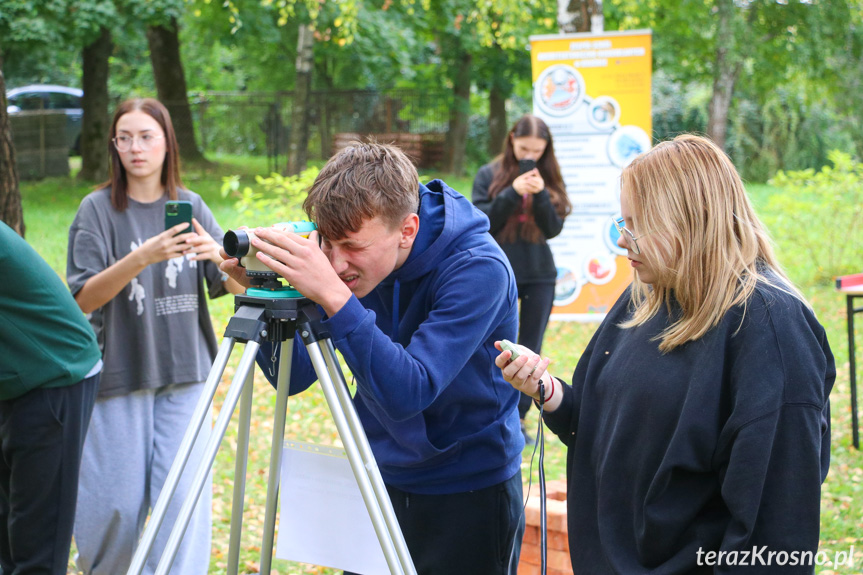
{"x": 324, "y": 78}
{"x": 298, "y": 145}
{"x": 579, "y": 16}
{"x": 325, "y": 130}
{"x": 170, "y": 79}
{"x": 499, "y": 90}
{"x": 497, "y": 125}
{"x": 96, "y": 122}
{"x": 459, "y": 115}
{"x": 725, "y": 74}
{"x": 720, "y": 103}
{"x": 11, "y": 210}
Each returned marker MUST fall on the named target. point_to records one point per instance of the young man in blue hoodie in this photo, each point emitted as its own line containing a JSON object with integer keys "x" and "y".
{"x": 415, "y": 293}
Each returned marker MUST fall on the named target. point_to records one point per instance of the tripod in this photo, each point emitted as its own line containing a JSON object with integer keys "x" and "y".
{"x": 275, "y": 316}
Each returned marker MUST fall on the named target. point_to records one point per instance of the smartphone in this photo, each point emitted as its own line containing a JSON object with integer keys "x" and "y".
{"x": 524, "y": 166}
{"x": 178, "y": 212}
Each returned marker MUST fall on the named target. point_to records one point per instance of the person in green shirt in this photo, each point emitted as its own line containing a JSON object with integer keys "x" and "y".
{"x": 49, "y": 375}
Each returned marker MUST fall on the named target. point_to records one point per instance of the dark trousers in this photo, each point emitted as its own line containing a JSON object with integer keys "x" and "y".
{"x": 536, "y": 303}
{"x": 473, "y": 532}
{"x": 41, "y": 438}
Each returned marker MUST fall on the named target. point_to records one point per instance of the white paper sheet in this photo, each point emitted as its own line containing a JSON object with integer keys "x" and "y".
{"x": 323, "y": 519}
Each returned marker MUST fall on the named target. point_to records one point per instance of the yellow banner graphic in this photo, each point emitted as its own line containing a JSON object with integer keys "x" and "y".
{"x": 593, "y": 91}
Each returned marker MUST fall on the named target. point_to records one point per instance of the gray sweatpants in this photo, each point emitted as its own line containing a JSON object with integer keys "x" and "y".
{"x": 128, "y": 452}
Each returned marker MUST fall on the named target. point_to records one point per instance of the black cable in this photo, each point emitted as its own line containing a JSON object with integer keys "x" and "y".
{"x": 543, "y": 537}
{"x": 538, "y": 443}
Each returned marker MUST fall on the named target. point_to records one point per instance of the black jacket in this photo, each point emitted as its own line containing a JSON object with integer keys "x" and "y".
{"x": 719, "y": 445}
{"x": 531, "y": 262}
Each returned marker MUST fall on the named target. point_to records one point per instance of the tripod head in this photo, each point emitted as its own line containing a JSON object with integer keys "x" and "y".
{"x": 267, "y": 283}
{"x": 271, "y": 288}
{"x": 275, "y": 317}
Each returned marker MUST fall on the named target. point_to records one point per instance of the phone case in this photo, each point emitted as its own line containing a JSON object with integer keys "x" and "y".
{"x": 525, "y": 166}
{"x": 177, "y": 212}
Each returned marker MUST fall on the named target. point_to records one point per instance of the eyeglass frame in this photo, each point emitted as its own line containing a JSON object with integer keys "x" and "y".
{"x": 629, "y": 237}
{"x": 145, "y": 147}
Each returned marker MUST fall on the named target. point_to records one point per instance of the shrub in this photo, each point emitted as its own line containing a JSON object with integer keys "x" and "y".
{"x": 783, "y": 130}
{"x": 277, "y": 199}
{"x": 816, "y": 219}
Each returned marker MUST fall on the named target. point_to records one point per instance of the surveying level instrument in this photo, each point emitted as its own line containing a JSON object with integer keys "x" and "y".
{"x": 272, "y": 314}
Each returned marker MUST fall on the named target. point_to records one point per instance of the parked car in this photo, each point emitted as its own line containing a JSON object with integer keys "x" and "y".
{"x": 49, "y": 97}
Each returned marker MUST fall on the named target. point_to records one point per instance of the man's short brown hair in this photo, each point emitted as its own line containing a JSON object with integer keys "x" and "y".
{"x": 361, "y": 182}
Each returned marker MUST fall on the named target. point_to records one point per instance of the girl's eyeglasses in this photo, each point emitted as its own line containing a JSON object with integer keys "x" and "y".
{"x": 124, "y": 143}
{"x": 628, "y": 236}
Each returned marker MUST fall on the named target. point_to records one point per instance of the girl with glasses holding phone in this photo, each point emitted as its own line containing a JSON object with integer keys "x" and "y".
{"x": 697, "y": 420}
{"x": 145, "y": 288}
{"x": 522, "y": 193}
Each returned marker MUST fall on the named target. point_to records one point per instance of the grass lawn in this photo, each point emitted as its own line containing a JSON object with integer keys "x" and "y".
{"x": 50, "y": 205}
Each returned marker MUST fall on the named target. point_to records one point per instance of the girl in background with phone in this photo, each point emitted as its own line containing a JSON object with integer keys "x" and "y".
{"x": 144, "y": 288}
{"x": 522, "y": 193}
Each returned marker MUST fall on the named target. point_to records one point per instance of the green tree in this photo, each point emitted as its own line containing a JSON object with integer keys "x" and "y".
{"x": 245, "y": 49}
{"x": 91, "y": 33}
{"x": 11, "y": 211}
{"x": 305, "y": 15}
{"x": 299, "y": 140}
{"x": 757, "y": 43}
{"x": 95, "y": 125}
{"x": 466, "y": 33}
{"x": 502, "y": 60}
{"x": 842, "y": 72}
{"x": 579, "y": 16}
{"x": 26, "y": 26}
{"x": 162, "y": 19}
{"x": 457, "y": 42}
{"x": 383, "y": 44}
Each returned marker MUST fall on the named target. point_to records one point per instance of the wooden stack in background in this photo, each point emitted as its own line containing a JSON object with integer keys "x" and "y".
{"x": 426, "y": 151}
{"x": 557, "y": 557}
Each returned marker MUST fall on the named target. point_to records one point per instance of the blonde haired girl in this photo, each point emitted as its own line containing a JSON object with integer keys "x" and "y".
{"x": 716, "y": 249}
{"x": 698, "y": 418}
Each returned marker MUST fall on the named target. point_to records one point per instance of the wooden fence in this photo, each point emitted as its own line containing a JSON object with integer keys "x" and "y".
{"x": 41, "y": 145}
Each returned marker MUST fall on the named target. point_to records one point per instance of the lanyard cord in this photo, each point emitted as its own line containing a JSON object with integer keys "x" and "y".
{"x": 543, "y": 531}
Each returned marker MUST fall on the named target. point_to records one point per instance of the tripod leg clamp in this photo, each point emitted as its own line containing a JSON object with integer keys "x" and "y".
{"x": 248, "y": 324}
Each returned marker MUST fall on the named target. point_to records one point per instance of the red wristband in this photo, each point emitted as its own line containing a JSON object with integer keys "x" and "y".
{"x": 551, "y": 381}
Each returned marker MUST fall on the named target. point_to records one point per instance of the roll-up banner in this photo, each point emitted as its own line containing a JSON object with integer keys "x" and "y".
{"x": 593, "y": 91}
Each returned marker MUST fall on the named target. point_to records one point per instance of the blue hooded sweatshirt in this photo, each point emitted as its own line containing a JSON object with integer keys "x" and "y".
{"x": 438, "y": 415}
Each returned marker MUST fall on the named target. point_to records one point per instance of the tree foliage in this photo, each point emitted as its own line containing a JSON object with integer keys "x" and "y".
{"x": 30, "y": 27}
{"x": 797, "y": 91}
{"x": 793, "y": 57}
{"x": 277, "y": 198}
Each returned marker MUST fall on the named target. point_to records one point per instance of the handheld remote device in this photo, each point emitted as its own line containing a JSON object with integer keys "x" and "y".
{"x": 516, "y": 349}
